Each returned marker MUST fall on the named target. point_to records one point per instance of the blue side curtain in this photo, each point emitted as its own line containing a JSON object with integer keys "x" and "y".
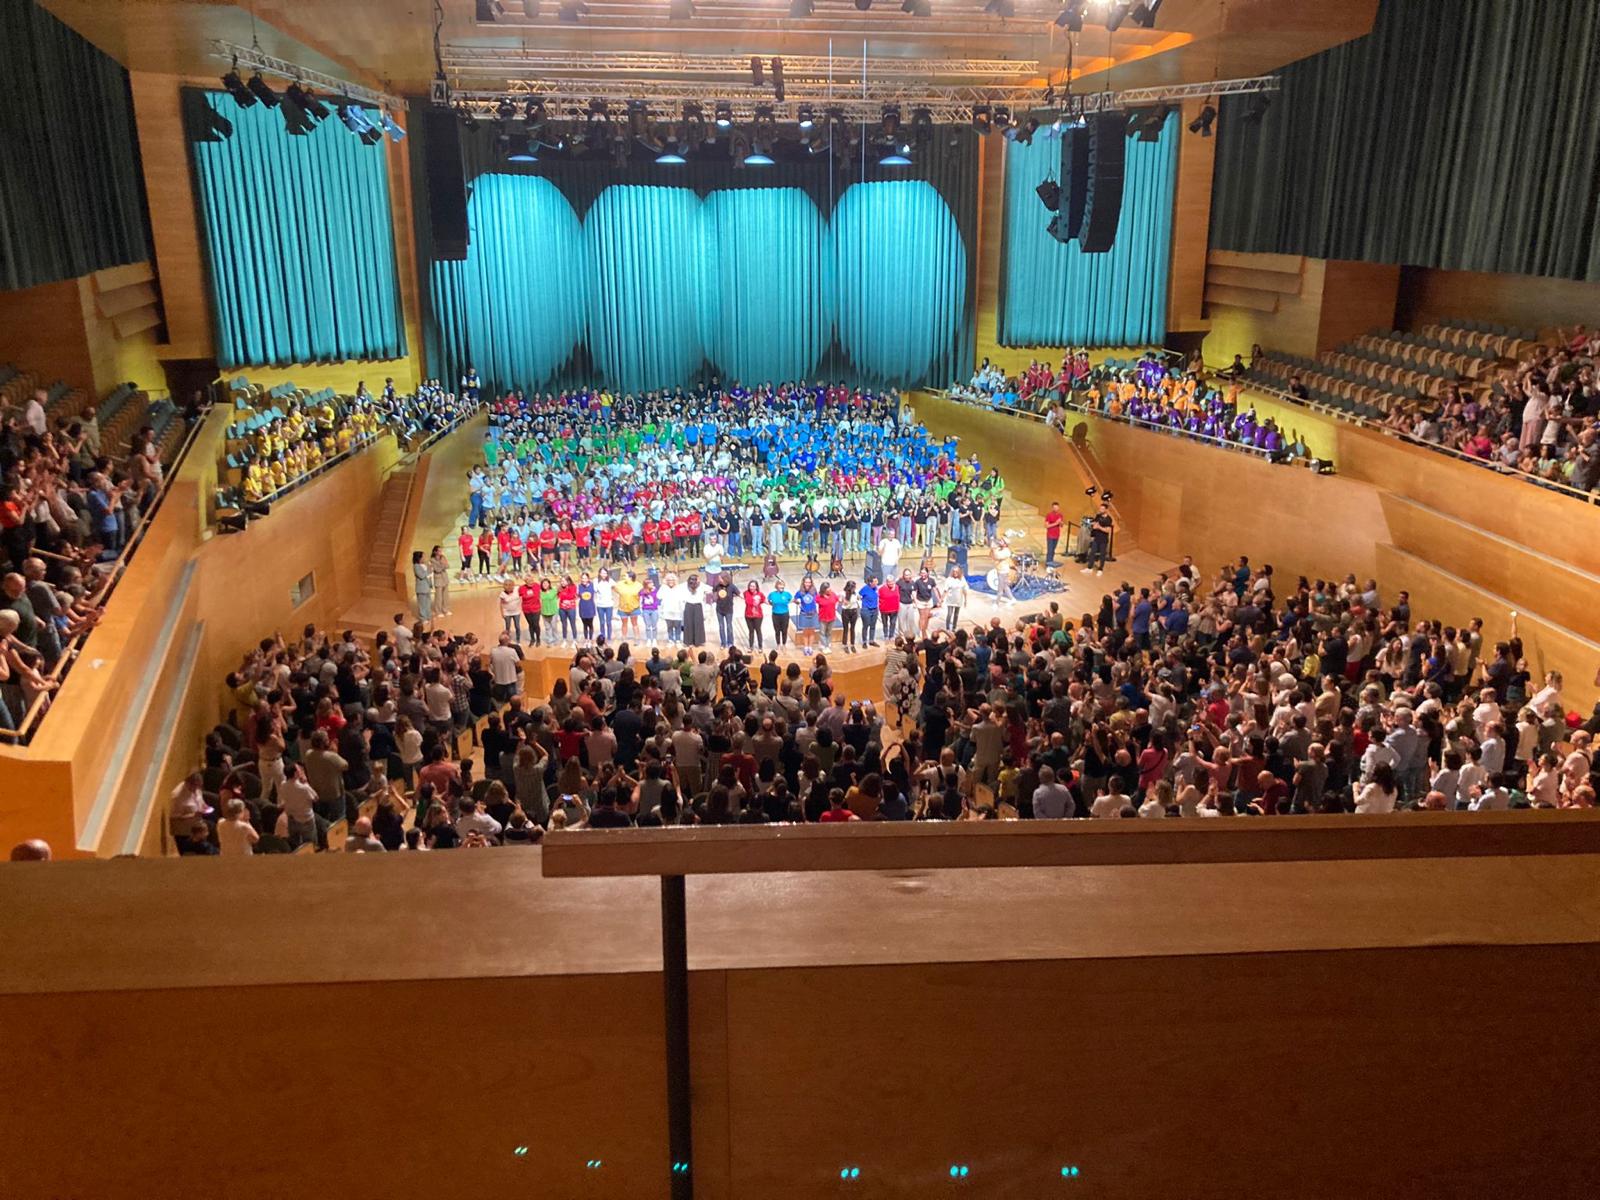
{"x": 901, "y": 272}
{"x": 645, "y": 257}
{"x": 1056, "y": 295}
{"x": 299, "y": 239}
{"x": 520, "y": 299}
{"x": 766, "y": 311}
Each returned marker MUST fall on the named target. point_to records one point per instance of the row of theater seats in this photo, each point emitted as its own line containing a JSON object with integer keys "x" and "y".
{"x": 119, "y": 416}
{"x": 1380, "y": 372}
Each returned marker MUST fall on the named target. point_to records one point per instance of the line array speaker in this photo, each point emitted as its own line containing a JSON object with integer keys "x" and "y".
{"x": 1102, "y": 207}
{"x": 447, "y": 189}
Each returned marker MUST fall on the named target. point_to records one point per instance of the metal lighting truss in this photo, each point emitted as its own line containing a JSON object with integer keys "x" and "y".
{"x": 954, "y": 104}
{"x": 251, "y": 58}
{"x": 460, "y": 61}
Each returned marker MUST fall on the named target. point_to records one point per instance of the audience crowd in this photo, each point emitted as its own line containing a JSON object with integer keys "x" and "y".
{"x": 296, "y": 436}
{"x": 1192, "y": 696}
{"x": 1540, "y": 416}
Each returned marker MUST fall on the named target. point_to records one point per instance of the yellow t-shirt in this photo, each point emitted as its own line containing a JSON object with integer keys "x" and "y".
{"x": 628, "y": 595}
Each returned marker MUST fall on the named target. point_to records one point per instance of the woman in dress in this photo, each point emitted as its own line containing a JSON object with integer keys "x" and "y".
{"x": 694, "y": 613}
{"x": 424, "y": 583}
{"x": 439, "y": 568}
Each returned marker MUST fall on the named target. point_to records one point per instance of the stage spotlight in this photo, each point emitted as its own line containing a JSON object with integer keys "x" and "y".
{"x": 394, "y": 131}
{"x": 236, "y": 88}
{"x": 1106, "y": 496}
{"x": 1145, "y": 14}
{"x": 1202, "y": 123}
{"x": 1089, "y": 491}
{"x": 295, "y": 121}
{"x": 891, "y": 120}
{"x": 801, "y": 8}
{"x": 807, "y": 117}
{"x": 724, "y": 117}
{"x": 863, "y": 5}
{"x": 372, "y": 136}
{"x": 1029, "y": 128}
{"x": 506, "y": 110}
{"x": 1002, "y": 118}
{"x": 669, "y": 158}
{"x": 314, "y": 108}
{"x": 1255, "y": 107}
{"x": 917, "y": 8}
{"x": 680, "y": 10}
{"x": 1152, "y": 122}
{"x": 353, "y": 116}
{"x": 1004, "y": 9}
{"x": 758, "y": 158}
{"x": 571, "y": 10}
{"x": 1050, "y": 194}
{"x": 522, "y": 150}
{"x": 982, "y": 118}
{"x": 1116, "y": 15}
{"x": 921, "y": 125}
{"x": 1071, "y": 17}
{"x": 897, "y": 157}
{"x": 259, "y": 89}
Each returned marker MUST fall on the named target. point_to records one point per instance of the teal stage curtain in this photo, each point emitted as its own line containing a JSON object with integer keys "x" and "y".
{"x": 901, "y": 270}
{"x": 71, "y": 187}
{"x": 299, "y": 239}
{"x": 1053, "y": 294}
{"x": 766, "y": 305}
{"x": 1458, "y": 134}
{"x": 520, "y": 299}
{"x": 645, "y": 257}
{"x": 818, "y": 266}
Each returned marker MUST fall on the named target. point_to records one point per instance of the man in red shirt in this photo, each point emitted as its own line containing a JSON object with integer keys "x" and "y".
{"x": 889, "y": 605}
{"x": 1053, "y": 521}
{"x": 837, "y": 811}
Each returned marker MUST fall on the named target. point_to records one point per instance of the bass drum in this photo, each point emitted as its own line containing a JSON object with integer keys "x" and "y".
{"x": 993, "y": 580}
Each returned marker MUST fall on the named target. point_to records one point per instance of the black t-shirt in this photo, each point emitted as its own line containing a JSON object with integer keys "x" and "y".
{"x": 609, "y": 818}
{"x": 770, "y": 672}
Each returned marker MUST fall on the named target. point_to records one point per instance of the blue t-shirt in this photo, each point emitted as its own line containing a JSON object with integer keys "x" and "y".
{"x": 780, "y": 603}
{"x": 586, "y": 600}
{"x": 807, "y": 602}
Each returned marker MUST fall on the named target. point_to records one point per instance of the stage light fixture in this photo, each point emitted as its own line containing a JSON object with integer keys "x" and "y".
{"x": 393, "y": 130}
{"x": 670, "y": 158}
{"x": 1135, "y": 120}
{"x": 1004, "y": 9}
{"x": 1153, "y": 122}
{"x": 921, "y": 125}
{"x": 897, "y": 157}
{"x": 469, "y": 119}
{"x": 917, "y": 8}
{"x": 259, "y": 89}
{"x": 1071, "y": 17}
{"x": 1029, "y": 128}
{"x": 371, "y": 136}
{"x": 522, "y": 150}
{"x": 757, "y": 158}
{"x": 982, "y": 118}
{"x": 312, "y": 107}
{"x": 295, "y": 121}
{"x": 801, "y": 8}
{"x": 863, "y": 5}
{"x": 806, "y": 117}
{"x": 1002, "y": 118}
{"x": 571, "y": 10}
{"x": 724, "y": 117}
{"x": 353, "y": 116}
{"x": 1145, "y": 14}
{"x": 1116, "y": 15}
{"x": 1050, "y": 194}
{"x": 891, "y": 120}
{"x": 1255, "y": 107}
{"x": 1202, "y": 124}
{"x": 236, "y": 88}
{"x": 680, "y": 10}
{"x": 777, "y": 79}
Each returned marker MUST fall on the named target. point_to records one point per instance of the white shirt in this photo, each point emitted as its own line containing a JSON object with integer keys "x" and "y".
{"x": 33, "y": 415}
{"x": 402, "y": 640}
{"x": 955, "y": 592}
{"x": 236, "y": 838}
{"x": 1109, "y": 805}
{"x": 673, "y": 597}
{"x": 605, "y": 593}
{"x": 889, "y": 552}
{"x": 1373, "y": 799}
{"x": 510, "y": 604}
{"x": 504, "y": 665}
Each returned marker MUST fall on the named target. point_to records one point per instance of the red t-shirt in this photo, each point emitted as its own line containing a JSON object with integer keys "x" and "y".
{"x": 680, "y": 527}
{"x": 465, "y": 542}
{"x": 889, "y": 597}
{"x": 648, "y": 533}
{"x": 530, "y": 597}
{"x": 564, "y": 536}
{"x": 754, "y": 604}
{"x": 827, "y": 606}
{"x": 547, "y": 539}
{"x": 606, "y": 537}
{"x": 694, "y": 524}
{"x": 1052, "y": 524}
{"x": 485, "y": 541}
{"x": 567, "y": 597}
{"x": 516, "y": 546}
{"x": 581, "y": 534}
{"x": 838, "y": 814}
{"x": 504, "y": 537}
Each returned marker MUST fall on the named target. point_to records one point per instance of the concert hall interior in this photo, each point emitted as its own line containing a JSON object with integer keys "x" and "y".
{"x": 730, "y": 533}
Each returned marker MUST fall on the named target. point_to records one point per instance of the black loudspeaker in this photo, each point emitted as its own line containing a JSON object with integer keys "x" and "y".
{"x": 447, "y": 190}
{"x": 1074, "y": 179}
{"x": 1102, "y": 205}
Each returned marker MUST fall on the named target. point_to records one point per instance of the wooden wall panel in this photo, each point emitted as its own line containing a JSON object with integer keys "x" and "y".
{"x": 1229, "y": 503}
{"x": 989, "y": 262}
{"x": 1036, "y": 466}
{"x": 1522, "y": 301}
{"x": 1191, "y": 228}
{"x": 174, "y": 221}
{"x": 41, "y": 330}
{"x": 1292, "y": 327}
{"x": 1357, "y": 298}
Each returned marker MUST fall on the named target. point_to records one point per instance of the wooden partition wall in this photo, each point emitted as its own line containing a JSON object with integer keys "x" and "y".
{"x": 417, "y": 1025}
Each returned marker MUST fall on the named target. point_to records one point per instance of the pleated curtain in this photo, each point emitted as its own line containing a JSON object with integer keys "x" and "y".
{"x": 299, "y": 239}
{"x": 1054, "y": 294}
{"x": 1458, "y": 134}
